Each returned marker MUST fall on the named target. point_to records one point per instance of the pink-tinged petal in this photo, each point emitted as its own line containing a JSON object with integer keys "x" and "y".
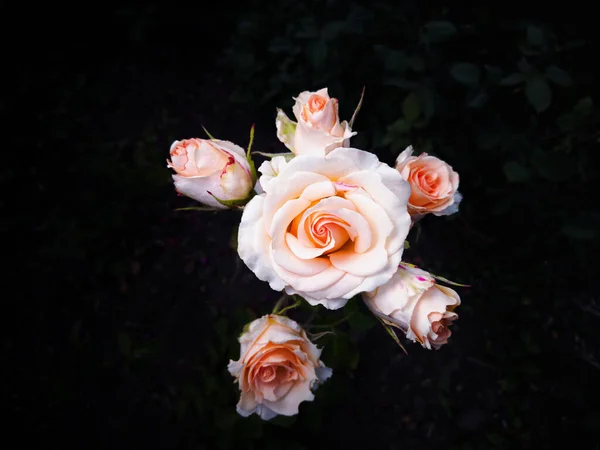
{"x": 232, "y": 148}
{"x": 313, "y": 141}
{"x": 432, "y": 300}
{"x": 318, "y": 191}
{"x": 235, "y": 181}
{"x": 198, "y": 188}
{"x": 247, "y": 404}
{"x": 281, "y": 252}
{"x": 404, "y": 155}
{"x": 307, "y": 284}
{"x": 361, "y": 160}
{"x": 301, "y": 250}
{"x": 377, "y": 279}
{"x": 288, "y": 405}
{"x": 254, "y": 244}
{"x": 209, "y": 159}
{"x": 360, "y": 264}
{"x": 336, "y": 293}
{"x": 290, "y": 185}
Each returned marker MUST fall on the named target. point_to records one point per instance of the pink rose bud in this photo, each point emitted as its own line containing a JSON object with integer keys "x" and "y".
{"x": 278, "y": 368}
{"x": 414, "y": 303}
{"x": 318, "y": 130}
{"x": 206, "y": 167}
{"x": 433, "y": 184}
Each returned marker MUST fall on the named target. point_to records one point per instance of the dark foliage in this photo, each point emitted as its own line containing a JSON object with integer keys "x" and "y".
{"x": 122, "y": 313}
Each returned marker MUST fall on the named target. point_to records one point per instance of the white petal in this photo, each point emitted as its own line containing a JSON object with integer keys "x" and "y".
{"x": 288, "y": 405}
{"x": 197, "y": 188}
{"x": 405, "y": 154}
{"x": 254, "y": 244}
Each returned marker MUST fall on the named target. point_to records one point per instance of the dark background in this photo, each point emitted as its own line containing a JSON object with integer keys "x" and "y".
{"x": 121, "y": 313}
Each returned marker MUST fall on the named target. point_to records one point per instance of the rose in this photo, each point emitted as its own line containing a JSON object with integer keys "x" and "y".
{"x": 318, "y": 130}
{"x": 433, "y": 183}
{"x": 327, "y": 228}
{"x": 413, "y": 302}
{"x": 277, "y": 369}
{"x": 206, "y": 167}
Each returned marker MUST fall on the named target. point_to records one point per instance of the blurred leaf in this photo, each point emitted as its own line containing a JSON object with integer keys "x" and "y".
{"x": 524, "y": 66}
{"x": 515, "y": 172}
{"x": 124, "y": 343}
{"x": 535, "y": 36}
{"x": 317, "y": 53}
{"x": 332, "y": 30}
{"x": 513, "y": 79}
{"x": 396, "y": 61}
{"x": 411, "y": 107}
{"x": 553, "y": 166}
{"x": 579, "y": 233}
{"x": 340, "y": 352}
{"x": 466, "y": 73}
{"x": 558, "y": 76}
{"x": 427, "y": 99}
{"x": 439, "y": 31}
{"x": 476, "y": 98}
{"x": 399, "y": 82}
{"x": 361, "y": 322}
{"x": 538, "y": 93}
{"x": 584, "y": 107}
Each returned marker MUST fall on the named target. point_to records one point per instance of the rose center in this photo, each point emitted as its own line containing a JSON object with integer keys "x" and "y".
{"x": 327, "y": 230}
{"x": 316, "y": 103}
{"x": 267, "y": 373}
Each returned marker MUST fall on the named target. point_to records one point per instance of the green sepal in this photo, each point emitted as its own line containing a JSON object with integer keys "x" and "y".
{"x": 362, "y": 94}
{"x": 212, "y": 138}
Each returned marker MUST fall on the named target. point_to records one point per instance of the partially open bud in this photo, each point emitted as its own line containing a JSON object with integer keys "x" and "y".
{"x": 413, "y": 302}
{"x": 318, "y": 130}
{"x": 210, "y": 168}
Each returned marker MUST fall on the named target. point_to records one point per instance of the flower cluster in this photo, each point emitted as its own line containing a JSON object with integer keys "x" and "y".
{"x": 325, "y": 222}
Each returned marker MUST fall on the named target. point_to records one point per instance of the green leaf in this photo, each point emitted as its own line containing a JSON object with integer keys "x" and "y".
{"x": 466, "y": 73}
{"x": 538, "y": 93}
{"x": 411, "y": 107}
{"x": 515, "y": 172}
{"x": 535, "y": 36}
{"x": 392, "y": 333}
{"x": 558, "y": 76}
{"x": 439, "y": 31}
{"x": 584, "y": 107}
{"x": 476, "y": 98}
{"x": 286, "y": 129}
{"x": 579, "y": 233}
{"x": 513, "y": 79}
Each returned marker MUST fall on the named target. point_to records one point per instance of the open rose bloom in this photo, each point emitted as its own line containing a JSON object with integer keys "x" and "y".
{"x": 433, "y": 184}
{"x": 327, "y": 227}
{"x": 324, "y": 223}
{"x": 204, "y": 167}
{"x": 318, "y": 130}
{"x": 277, "y": 369}
{"x": 413, "y": 302}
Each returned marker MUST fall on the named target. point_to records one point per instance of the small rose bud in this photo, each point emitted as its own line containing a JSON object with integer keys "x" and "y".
{"x": 206, "y": 167}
